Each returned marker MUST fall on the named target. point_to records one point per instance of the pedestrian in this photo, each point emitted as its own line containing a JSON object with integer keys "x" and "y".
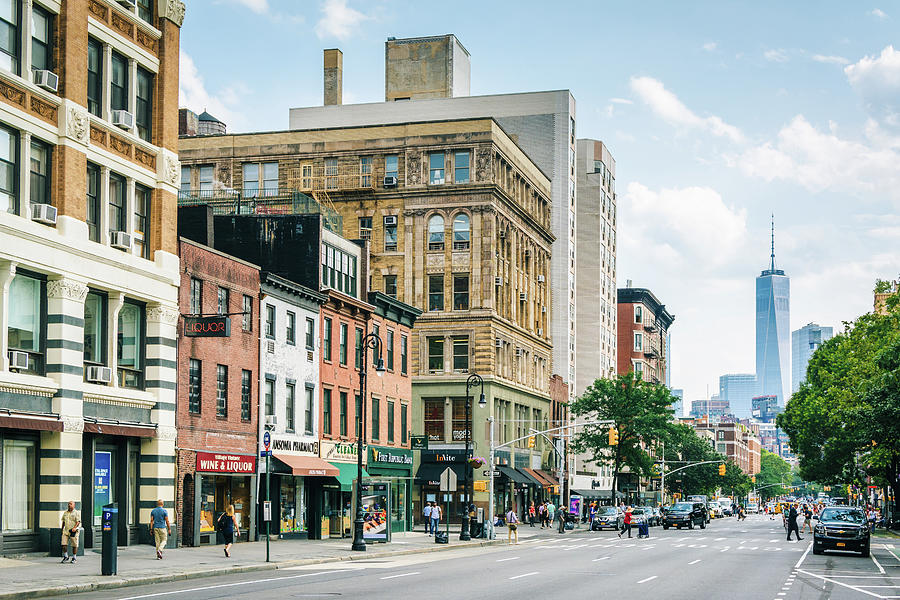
{"x": 807, "y": 515}
{"x": 159, "y": 524}
{"x": 512, "y": 522}
{"x": 229, "y": 527}
{"x": 70, "y": 521}
{"x": 531, "y": 513}
{"x": 626, "y": 525}
{"x": 542, "y": 513}
{"x": 593, "y": 512}
{"x": 435, "y": 517}
{"x": 792, "y": 524}
{"x": 551, "y": 512}
{"x": 426, "y": 512}
{"x": 562, "y": 519}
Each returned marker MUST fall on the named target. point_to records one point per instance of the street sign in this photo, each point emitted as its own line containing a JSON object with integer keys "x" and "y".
{"x": 265, "y": 453}
{"x": 418, "y": 442}
{"x": 491, "y": 473}
{"x": 267, "y": 510}
{"x": 448, "y": 480}
{"x": 267, "y": 440}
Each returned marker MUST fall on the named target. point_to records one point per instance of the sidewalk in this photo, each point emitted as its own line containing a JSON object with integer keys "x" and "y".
{"x": 37, "y": 575}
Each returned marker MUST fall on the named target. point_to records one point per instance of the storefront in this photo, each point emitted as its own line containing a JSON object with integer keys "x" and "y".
{"x": 222, "y": 480}
{"x": 394, "y": 465}
{"x": 338, "y": 499}
{"x": 428, "y": 476}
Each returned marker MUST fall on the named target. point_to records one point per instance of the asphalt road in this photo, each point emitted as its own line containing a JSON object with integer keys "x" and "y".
{"x": 728, "y": 559}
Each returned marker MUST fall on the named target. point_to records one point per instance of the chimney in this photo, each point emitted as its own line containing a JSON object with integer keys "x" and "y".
{"x": 334, "y": 70}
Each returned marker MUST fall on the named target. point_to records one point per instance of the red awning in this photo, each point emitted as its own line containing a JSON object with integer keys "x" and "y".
{"x": 548, "y": 476}
{"x": 117, "y": 429}
{"x": 14, "y": 421}
{"x": 308, "y": 466}
{"x": 537, "y": 475}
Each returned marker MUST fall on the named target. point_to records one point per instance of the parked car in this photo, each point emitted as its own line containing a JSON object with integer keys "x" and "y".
{"x": 713, "y": 510}
{"x": 685, "y": 514}
{"x": 841, "y": 528}
{"x": 641, "y": 514}
{"x": 608, "y": 517}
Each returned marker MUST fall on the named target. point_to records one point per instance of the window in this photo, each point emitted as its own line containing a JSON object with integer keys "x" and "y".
{"x": 270, "y": 397}
{"x": 306, "y": 181}
{"x": 434, "y": 419}
{"x": 18, "y": 484}
{"x": 638, "y": 314}
{"x": 144, "y": 104}
{"x": 338, "y": 270}
{"x": 461, "y": 292}
{"x": 359, "y": 414}
{"x": 436, "y": 168}
{"x": 326, "y": 339}
{"x": 222, "y": 391}
{"x": 390, "y": 236}
{"x": 270, "y": 321}
{"x": 721, "y": 435}
{"x": 196, "y": 296}
{"x": 343, "y": 413}
{"x": 342, "y": 345}
{"x": 9, "y": 35}
{"x": 130, "y": 345}
{"x": 270, "y": 178}
{"x": 310, "y": 334}
{"x": 194, "y": 386}
{"x": 27, "y": 319}
{"x": 326, "y": 411}
{"x": 459, "y": 426}
{"x": 390, "y": 350}
{"x": 117, "y": 198}
{"x": 95, "y": 329}
{"x": 390, "y": 285}
{"x": 95, "y": 78}
{"x": 460, "y": 354}
{"x": 365, "y": 228}
{"x": 404, "y": 420}
{"x": 40, "y": 172}
{"x": 289, "y": 392}
{"x": 118, "y": 82}
{"x": 41, "y": 51}
{"x": 9, "y": 169}
{"x": 435, "y": 354}
{"x": 390, "y": 422}
{"x": 308, "y": 410}
{"x": 461, "y": 167}
{"x": 436, "y": 292}
{"x": 365, "y": 171}
{"x": 638, "y": 342}
{"x": 92, "y": 214}
{"x": 461, "y": 232}
{"x": 250, "y": 179}
{"x": 185, "y": 181}
{"x": 141, "y": 221}
{"x": 222, "y": 295}
{"x": 291, "y": 328}
{"x": 359, "y": 348}
{"x": 331, "y": 173}
{"x": 436, "y": 232}
{"x": 391, "y": 166}
{"x": 145, "y": 10}
{"x": 246, "y": 394}
{"x": 638, "y": 367}
{"x": 247, "y": 317}
{"x": 376, "y": 419}
{"x": 403, "y": 354}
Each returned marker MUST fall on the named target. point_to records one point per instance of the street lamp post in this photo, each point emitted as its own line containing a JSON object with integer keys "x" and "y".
{"x": 370, "y": 340}
{"x": 473, "y": 380}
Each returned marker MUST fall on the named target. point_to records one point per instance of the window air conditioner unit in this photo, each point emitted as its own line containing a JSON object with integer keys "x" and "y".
{"x": 46, "y": 79}
{"x": 523, "y": 296}
{"x": 518, "y": 352}
{"x": 18, "y": 360}
{"x": 540, "y": 279}
{"x": 123, "y": 119}
{"x": 390, "y": 220}
{"x": 120, "y": 240}
{"x": 498, "y": 343}
{"x": 498, "y": 281}
{"x": 97, "y": 374}
{"x": 271, "y": 420}
{"x": 43, "y": 213}
{"x": 390, "y": 181}
{"x": 129, "y": 4}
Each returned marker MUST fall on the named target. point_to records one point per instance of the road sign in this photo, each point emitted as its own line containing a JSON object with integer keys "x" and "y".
{"x": 267, "y": 510}
{"x": 448, "y": 480}
{"x": 265, "y": 453}
{"x": 491, "y": 473}
{"x": 418, "y": 442}
{"x": 267, "y": 440}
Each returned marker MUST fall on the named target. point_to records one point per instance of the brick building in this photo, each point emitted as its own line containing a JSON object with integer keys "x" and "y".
{"x": 736, "y": 441}
{"x": 643, "y": 326}
{"x": 218, "y": 391}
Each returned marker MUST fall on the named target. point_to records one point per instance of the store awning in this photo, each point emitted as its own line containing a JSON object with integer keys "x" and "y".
{"x": 531, "y": 477}
{"x": 514, "y": 475}
{"x": 548, "y": 476}
{"x": 540, "y": 478}
{"x": 347, "y": 473}
{"x": 430, "y": 473}
{"x": 307, "y": 466}
{"x": 599, "y": 494}
{"x": 119, "y": 429}
{"x": 14, "y": 421}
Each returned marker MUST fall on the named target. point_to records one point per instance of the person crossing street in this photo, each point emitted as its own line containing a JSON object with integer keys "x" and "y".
{"x": 626, "y": 524}
{"x": 792, "y": 524}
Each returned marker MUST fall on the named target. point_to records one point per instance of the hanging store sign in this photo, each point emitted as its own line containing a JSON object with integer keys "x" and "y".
{"x": 225, "y": 463}
{"x": 218, "y": 326}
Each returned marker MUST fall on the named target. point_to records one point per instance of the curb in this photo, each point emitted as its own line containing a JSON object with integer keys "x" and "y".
{"x": 117, "y": 582}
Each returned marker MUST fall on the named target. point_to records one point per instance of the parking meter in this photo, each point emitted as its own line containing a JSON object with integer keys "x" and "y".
{"x": 109, "y": 526}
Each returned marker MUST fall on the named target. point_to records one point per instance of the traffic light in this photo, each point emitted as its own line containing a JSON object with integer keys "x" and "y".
{"x": 531, "y": 442}
{"x": 753, "y": 478}
{"x": 722, "y": 470}
{"x": 613, "y": 436}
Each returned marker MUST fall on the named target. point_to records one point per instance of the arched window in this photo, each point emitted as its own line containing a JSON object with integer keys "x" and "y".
{"x": 461, "y": 232}
{"x": 436, "y": 233}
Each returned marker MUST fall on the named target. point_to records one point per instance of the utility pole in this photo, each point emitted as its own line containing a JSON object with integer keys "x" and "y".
{"x": 493, "y": 466}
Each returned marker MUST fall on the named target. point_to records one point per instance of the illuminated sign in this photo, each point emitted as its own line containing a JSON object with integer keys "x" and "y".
{"x": 218, "y": 326}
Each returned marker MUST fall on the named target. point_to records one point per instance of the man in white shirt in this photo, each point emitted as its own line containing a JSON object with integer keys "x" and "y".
{"x": 435, "y": 517}
{"x": 426, "y": 512}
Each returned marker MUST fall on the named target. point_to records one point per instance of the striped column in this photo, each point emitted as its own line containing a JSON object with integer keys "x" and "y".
{"x": 60, "y": 480}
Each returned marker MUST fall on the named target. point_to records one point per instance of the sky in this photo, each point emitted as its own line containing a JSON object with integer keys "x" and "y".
{"x": 719, "y": 114}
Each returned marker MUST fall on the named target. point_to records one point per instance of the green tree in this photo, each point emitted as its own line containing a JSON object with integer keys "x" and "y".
{"x": 683, "y": 447}
{"x": 773, "y": 470}
{"x": 639, "y": 410}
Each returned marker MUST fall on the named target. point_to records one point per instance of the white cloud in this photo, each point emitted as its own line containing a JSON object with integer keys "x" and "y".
{"x": 338, "y": 20}
{"x": 192, "y": 94}
{"x": 877, "y": 80}
{"x": 257, "y": 6}
{"x": 878, "y": 13}
{"x": 669, "y": 108}
{"x": 621, "y": 101}
{"x": 779, "y": 55}
{"x": 710, "y": 46}
{"x": 833, "y": 60}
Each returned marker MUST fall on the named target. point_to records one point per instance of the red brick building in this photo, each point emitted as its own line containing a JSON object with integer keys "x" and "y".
{"x": 216, "y": 412}
{"x": 643, "y": 325}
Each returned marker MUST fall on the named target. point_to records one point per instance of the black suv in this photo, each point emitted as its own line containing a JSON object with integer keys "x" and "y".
{"x": 685, "y": 514}
{"x": 841, "y": 528}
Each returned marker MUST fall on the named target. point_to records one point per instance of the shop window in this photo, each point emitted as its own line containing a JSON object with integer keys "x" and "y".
{"x": 343, "y": 413}
{"x": 390, "y": 350}
{"x": 246, "y": 394}
{"x": 94, "y": 329}
{"x": 326, "y": 411}
{"x": 289, "y": 408}
{"x": 461, "y": 232}
{"x": 403, "y": 354}
{"x": 130, "y": 345}
{"x": 434, "y": 419}
{"x": 435, "y": 354}
{"x": 222, "y": 391}
{"x": 195, "y": 382}
{"x": 390, "y": 422}
{"x": 376, "y": 419}
{"x": 436, "y": 292}
{"x": 28, "y": 320}
{"x": 293, "y": 505}
{"x": 18, "y": 485}
{"x": 436, "y": 232}
{"x": 461, "y": 292}
{"x": 308, "y": 410}
{"x": 326, "y": 340}
{"x": 404, "y": 424}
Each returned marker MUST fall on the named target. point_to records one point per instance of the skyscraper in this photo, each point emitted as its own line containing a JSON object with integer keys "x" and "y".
{"x": 804, "y": 342}
{"x": 773, "y": 311}
{"x": 738, "y": 389}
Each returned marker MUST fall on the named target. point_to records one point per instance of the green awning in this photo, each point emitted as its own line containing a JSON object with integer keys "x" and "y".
{"x": 347, "y": 475}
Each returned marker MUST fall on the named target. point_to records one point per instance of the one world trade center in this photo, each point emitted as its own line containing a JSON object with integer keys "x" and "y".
{"x": 773, "y": 334}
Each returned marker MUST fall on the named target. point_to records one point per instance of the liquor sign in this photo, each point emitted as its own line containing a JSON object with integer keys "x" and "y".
{"x": 225, "y": 463}
{"x": 218, "y": 326}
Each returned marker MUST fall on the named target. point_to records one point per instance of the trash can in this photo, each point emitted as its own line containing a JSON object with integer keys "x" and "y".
{"x": 109, "y": 526}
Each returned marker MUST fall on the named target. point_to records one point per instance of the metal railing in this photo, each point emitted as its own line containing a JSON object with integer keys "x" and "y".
{"x": 268, "y": 201}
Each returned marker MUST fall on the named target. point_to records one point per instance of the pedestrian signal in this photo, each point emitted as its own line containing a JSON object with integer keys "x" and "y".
{"x": 613, "y": 436}
{"x": 722, "y": 470}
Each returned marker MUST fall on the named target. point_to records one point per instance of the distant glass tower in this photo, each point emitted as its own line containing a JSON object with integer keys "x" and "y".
{"x": 805, "y": 341}
{"x": 773, "y": 332}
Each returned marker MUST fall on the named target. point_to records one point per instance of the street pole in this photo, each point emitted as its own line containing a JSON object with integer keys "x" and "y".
{"x": 268, "y": 488}
{"x": 663, "y": 475}
{"x": 492, "y": 467}
{"x": 370, "y": 340}
{"x": 464, "y": 535}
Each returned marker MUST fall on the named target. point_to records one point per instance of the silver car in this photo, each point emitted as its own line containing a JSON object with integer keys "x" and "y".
{"x": 608, "y": 517}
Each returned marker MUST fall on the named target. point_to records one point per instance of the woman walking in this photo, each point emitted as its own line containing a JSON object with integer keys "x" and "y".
{"x": 531, "y": 514}
{"x": 229, "y": 527}
{"x": 512, "y": 524}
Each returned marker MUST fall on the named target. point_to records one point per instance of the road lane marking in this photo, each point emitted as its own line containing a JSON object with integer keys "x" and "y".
{"x": 648, "y": 579}
{"x": 225, "y": 585}
{"x": 720, "y": 539}
{"x": 400, "y": 575}
{"x": 877, "y": 564}
{"x": 773, "y": 541}
{"x": 694, "y": 562}
{"x": 802, "y": 558}
{"x": 576, "y": 547}
{"x": 725, "y": 549}
{"x": 831, "y": 580}
{"x": 524, "y": 575}
{"x": 506, "y": 559}
{"x": 601, "y": 558}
